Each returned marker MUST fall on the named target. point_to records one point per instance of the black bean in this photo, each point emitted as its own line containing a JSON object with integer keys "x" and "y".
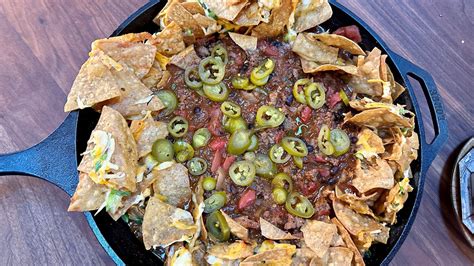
{"x": 244, "y": 67}
{"x": 276, "y": 43}
{"x": 289, "y": 99}
{"x": 334, "y": 170}
{"x": 197, "y": 110}
{"x": 310, "y": 148}
{"x": 232, "y": 93}
{"x": 333, "y": 180}
{"x": 354, "y": 139}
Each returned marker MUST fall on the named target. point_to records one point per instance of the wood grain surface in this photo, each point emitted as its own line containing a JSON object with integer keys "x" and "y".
{"x": 44, "y": 42}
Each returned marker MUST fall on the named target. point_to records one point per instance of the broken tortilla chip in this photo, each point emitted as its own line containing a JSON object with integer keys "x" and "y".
{"x": 169, "y": 41}
{"x": 186, "y": 58}
{"x": 225, "y": 9}
{"x": 88, "y": 195}
{"x": 340, "y": 256}
{"x": 380, "y": 118}
{"x": 189, "y": 26}
{"x": 278, "y": 21}
{"x": 396, "y": 198}
{"x": 314, "y": 50}
{"x": 153, "y": 76}
{"x": 146, "y": 132}
{"x": 369, "y": 144}
{"x": 173, "y": 184}
{"x": 208, "y": 25}
{"x": 249, "y": 16}
{"x": 113, "y": 139}
{"x": 164, "y": 224}
{"x": 309, "y": 14}
{"x": 313, "y": 67}
{"x": 346, "y": 237}
{"x": 247, "y": 43}
{"x": 95, "y": 83}
{"x": 354, "y": 203}
{"x": 369, "y": 175}
{"x": 234, "y": 251}
{"x": 270, "y": 257}
{"x": 272, "y": 232}
{"x": 318, "y": 236}
{"x": 235, "y": 228}
{"x": 339, "y": 42}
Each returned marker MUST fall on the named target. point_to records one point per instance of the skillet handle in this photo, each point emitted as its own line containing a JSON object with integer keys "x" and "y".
{"x": 435, "y": 104}
{"x": 53, "y": 159}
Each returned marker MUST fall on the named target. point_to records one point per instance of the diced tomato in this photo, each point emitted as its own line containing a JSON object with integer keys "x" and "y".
{"x": 324, "y": 172}
{"x": 269, "y": 49}
{"x": 279, "y": 136}
{"x": 306, "y": 114}
{"x": 216, "y": 161}
{"x": 229, "y": 160}
{"x": 215, "y": 126}
{"x": 218, "y": 143}
{"x": 324, "y": 212}
{"x": 247, "y": 199}
{"x": 333, "y": 99}
{"x": 318, "y": 159}
{"x": 352, "y": 32}
{"x": 309, "y": 188}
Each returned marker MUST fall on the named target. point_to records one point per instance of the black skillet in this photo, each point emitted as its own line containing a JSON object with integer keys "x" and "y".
{"x": 55, "y": 159}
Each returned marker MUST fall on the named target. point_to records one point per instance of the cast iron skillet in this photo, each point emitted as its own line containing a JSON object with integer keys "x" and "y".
{"x": 55, "y": 159}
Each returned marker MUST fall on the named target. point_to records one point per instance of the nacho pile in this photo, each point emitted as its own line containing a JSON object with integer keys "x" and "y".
{"x": 245, "y": 133}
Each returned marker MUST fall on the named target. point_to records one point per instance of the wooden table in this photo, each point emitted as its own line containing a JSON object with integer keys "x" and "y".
{"x": 44, "y": 43}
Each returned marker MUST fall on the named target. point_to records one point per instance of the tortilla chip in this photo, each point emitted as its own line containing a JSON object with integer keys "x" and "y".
{"x": 225, "y": 9}
{"x": 318, "y": 235}
{"x": 368, "y": 175}
{"x": 358, "y": 259}
{"x": 179, "y": 256}
{"x": 396, "y": 198}
{"x": 247, "y": 43}
{"x": 186, "y": 58}
{"x": 370, "y": 68}
{"x": 208, "y": 25}
{"x": 193, "y": 8}
{"x": 313, "y": 67}
{"x": 95, "y": 83}
{"x": 189, "y": 26}
{"x": 383, "y": 68}
{"x": 357, "y": 205}
{"x": 249, "y": 16}
{"x": 234, "y": 251}
{"x": 137, "y": 56}
{"x": 136, "y": 99}
{"x": 173, "y": 183}
{"x": 313, "y": 50}
{"x": 169, "y": 41}
{"x": 339, "y": 42}
{"x": 164, "y": 224}
{"x": 125, "y": 155}
{"x": 409, "y": 152}
{"x": 146, "y": 132}
{"x": 153, "y": 76}
{"x": 340, "y": 256}
{"x": 361, "y": 226}
{"x": 197, "y": 211}
{"x": 235, "y": 228}
{"x": 88, "y": 195}
{"x": 270, "y": 257}
{"x": 303, "y": 257}
{"x": 380, "y": 118}
{"x": 309, "y": 14}
{"x": 278, "y": 21}
{"x": 272, "y": 232}
{"x": 369, "y": 144}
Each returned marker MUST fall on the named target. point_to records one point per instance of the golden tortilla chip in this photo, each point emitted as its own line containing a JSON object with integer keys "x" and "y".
{"x": 189, "y": 26}
{"x": 396, "y": 198}
{"x": 193, "y": 7}
{"x": 249, "y": 16}
{"x": 314, "y": 50}
{"x": 225, "y": 9}
{"x": 136, "y": 99}
{"x": 357, "y": 205}
{"x": 95, "y": 83}
{"x": 318, "y": 236}
{"x": 340, "y": 256}
{"x": 208, "y": 25}
{"x": 179, "y": 256}
{"x": 339, "y": 41}
{"x": 247, "y": 43}
{"x": 169, "y": 41}
{"x": 88, "y": 195}
{"x": 137, "y": 56}
{"x": 153, "y": 76}
{"x": 369, "y": 144}
{"x": 360, "y": 226}
{"x": 270, "y": 257}
{"x": 186, "y": 58}
{"x": 278, "y": 21}
{"x": 313, "y": 67}
{"x": 235, "y": 228}
{"x": 164, "y": 224}
{"x": 380, "y": 118}
{"x": 358, "y": 259}
{"x": 383, "y": 68}
{"x": 146, "y": 132}
{"x": 173, "y": 183}
{"x": 272, "y": 232}
{"x": 124, "y": 156}
{"x": 368, "y": 175}
{"x": 309, "y": 14}
{"x": 409, "y": 152}
{"x": 234, "y": 251}
{"x": 197, "y": 211}
{"x": 370, "y": 68}
{"x": 303, "y": 257}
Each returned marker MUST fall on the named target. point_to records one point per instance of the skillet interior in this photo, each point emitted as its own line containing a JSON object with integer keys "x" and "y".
{"x": 132, "y": 251}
